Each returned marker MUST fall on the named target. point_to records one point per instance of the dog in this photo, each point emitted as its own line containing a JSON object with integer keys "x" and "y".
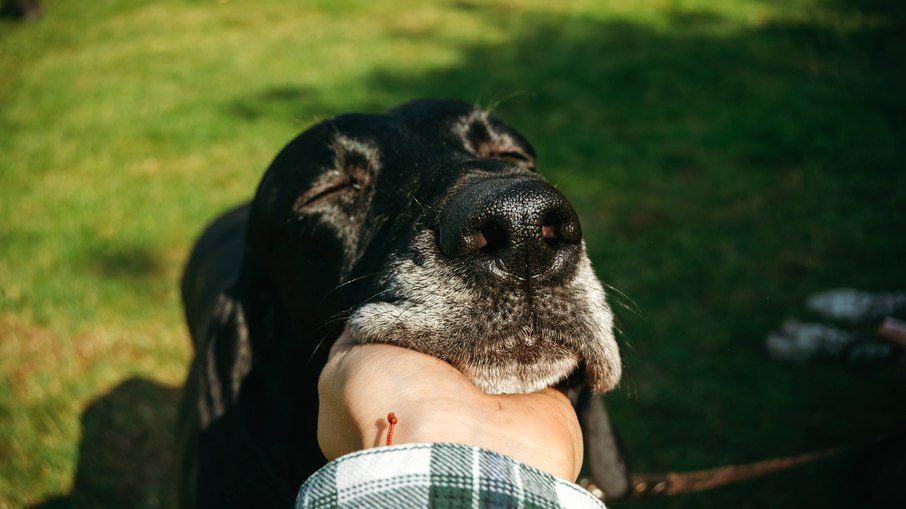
{"x": 425, "y": 227}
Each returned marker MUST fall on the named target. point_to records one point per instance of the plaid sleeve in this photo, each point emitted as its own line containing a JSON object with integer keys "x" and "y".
{"x": 437, "y": 475}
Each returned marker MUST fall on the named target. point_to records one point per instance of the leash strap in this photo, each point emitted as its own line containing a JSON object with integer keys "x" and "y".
{"x": 674, "y": 483}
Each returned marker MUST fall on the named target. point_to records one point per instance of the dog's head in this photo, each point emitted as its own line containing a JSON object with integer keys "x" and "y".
{"x": 427, "y": 227}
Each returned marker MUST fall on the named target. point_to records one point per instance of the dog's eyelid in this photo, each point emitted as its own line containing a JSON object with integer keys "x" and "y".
{"x": 355, "y": 158}
{"x": 335, "y": 183}
{"x": 514, "y": 155}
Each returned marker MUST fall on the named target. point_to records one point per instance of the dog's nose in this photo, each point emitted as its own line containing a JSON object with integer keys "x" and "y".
{"x": 523, "y": 225}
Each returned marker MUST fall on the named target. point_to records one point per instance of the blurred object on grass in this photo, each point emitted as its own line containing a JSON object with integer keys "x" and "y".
{"x": 893, "y": 330}
{"x": 799, "y": 342}
{"x": 855, "y": 305}
{"x": 28, "y": 10}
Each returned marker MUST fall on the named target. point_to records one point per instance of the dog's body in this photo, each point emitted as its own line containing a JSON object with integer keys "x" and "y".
{"x": 424, "y": 227}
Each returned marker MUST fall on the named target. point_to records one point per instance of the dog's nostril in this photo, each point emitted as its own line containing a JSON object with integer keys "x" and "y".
{"x": 480, "y": 240}
{"x": 550, "y": 229}
{"x": 557, "y": 228}
{"x": 549, "y": 234}
{"x": 492, "y": 237}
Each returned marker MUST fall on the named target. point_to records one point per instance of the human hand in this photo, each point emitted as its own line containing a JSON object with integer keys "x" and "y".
{"x": 434, "y": 402}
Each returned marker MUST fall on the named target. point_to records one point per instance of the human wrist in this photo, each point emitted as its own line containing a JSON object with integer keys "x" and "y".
{"x": 434, "y": 402}
{"x": 533, "y": 428}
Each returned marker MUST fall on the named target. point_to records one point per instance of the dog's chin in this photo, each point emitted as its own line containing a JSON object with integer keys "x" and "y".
{"x": 508, "y": 365}
{"x": 516, "y": 378}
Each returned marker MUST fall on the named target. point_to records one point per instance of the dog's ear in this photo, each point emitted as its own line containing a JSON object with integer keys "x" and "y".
{"x": 488, "y": 138}
{"x": 604, "y": 458}
{"x": 224, "y": 359}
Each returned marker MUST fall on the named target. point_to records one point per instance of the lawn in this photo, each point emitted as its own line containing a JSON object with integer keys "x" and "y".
{"x": 727, "y": 158}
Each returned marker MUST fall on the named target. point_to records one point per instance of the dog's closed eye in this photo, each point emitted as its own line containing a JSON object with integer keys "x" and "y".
{"x": 355, "y": 165}
{"x": 512, "y": 156}
{"x": 482, "y": 139}
{"x": 332, "y": 185}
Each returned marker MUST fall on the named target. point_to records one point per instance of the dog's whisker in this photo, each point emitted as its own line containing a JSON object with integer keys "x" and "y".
{"x": 338, "y": 317}
{"x": 615, "y": 295}
{"x": 624, "y": 300}
{"x": 404, "y": 310}
{"x": 341, "y": 315}
{"x": 318, "y": 346}
{"x": 495, "y": 102}
{"x": 420, "y": 204}
{"x": 349, "y": 282}
{"x": 344, "y": 314}
{"x": 376, "y": 295}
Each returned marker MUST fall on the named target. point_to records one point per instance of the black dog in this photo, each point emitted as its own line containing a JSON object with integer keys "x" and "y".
{"x": 425, "y": 227}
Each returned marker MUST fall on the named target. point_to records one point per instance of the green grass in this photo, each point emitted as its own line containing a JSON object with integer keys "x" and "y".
{"x": 727, "y": 158}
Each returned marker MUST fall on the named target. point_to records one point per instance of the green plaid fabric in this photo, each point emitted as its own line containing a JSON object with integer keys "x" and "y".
{"x": 437, "y": 475}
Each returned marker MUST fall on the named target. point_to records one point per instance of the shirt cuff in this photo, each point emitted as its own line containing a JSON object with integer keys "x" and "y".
{"x": 437, "y": 474}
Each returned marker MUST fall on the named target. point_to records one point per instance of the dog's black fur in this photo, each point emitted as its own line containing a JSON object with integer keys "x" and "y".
{"x": 425, "y": 227}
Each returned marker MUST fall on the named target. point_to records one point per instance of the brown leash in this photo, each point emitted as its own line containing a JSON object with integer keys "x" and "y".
{"x": 675, "y": 483}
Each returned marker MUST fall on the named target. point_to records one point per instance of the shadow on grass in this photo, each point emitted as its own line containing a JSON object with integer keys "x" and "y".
{"x": 126, "y": 261}
{"x": 126, "y": 455}
{"x": 284, "y": 101}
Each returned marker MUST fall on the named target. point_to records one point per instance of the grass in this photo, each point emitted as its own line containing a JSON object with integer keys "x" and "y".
{"x": 727, "y": 158}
